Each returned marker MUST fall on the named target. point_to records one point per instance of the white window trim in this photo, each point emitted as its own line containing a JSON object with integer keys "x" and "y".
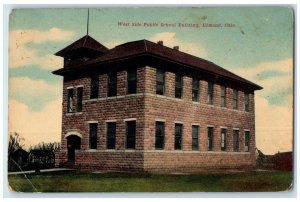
{"x": 246, "y": 130}
{"x": 235, "y": 129}
{"x": 110, "y": 121}
{"x": 160, "y": 120}
{"x": 79, "y": 86}
{"x": 223, "y": 127}
{"x": 73, "y": 133}
{"x": 70, "y": 87}
{"x": 195, "y": 124}
{"x": 130, "y": 119}
{"x": 211, "y": 126}
{"x": 180, "y": 122}
{"x": 92, "y": 121}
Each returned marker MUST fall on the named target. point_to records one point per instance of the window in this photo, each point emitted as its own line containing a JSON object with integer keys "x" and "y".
{"x": 94, "y": 86}
{"x": 93, "y": 136}
{"x": 160, "y": 82}
{"x": 235, "y": 140}
{"x": 79, "y": 99}
{"x": 131, "y": 81}
{"x": 210, "y": 92}
{"x": 195, "y": 90}
{"x": 111, "y": 135}
{"x": 210, "y": 137}
{"x": 112, "y": 84}
{"x": 70, "y": 100}
{"x": 246, "y": 102}
{"x": 178, "y": 136}
{"x": 130, "y": 134}
{"x": 178, "y": 86}
{"x": 195, "y": 137}
{"x": 159, "y": 135}
{"x": 247, "y": 141}
{"x": 223, "y": 96}
{"x": 223, "y": 139}
{"x": 235, "y": 99}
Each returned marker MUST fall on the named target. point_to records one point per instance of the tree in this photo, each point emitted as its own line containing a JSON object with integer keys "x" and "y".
{"x": 15, "y": 142}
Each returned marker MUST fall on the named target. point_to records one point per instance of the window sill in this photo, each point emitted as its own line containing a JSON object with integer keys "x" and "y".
{"x": 74, "y": 113}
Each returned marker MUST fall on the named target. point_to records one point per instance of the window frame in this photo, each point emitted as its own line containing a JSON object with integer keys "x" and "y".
{"x": 70, "y": 100}
{"x": 246, "y": 101}
{"x": 178, "y": 136}
{"x": 210, "y": 92}
{"x": 178, "y": 86}
{"x": 223, "y": 96}
{"x": 161, "y": 136}
{"x": 129, "y": 136}
{"x": 235, "y": 140}
{"x": 112, "y": 84}
{"x": 160, "y": 83}
{"x": 235, "y": 97}
{"x": 93, "y": 137}
{"x": 111, "y": 135}
{"x": 223, "y": 139}
{"x": 94, "y": 89}
{"x": 79, "y": 99}
{"x": 210, "y": 138}
{"x": 131, "y": 81}
{"x": 195, "y": 89}
{"x": 247, "y": 141}
{"x": 195, "y": 138}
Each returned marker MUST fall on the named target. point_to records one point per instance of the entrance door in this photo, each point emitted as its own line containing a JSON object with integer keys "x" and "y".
{"x": 73, "y": 143}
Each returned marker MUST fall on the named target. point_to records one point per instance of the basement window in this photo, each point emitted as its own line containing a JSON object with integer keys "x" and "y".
{"x": 131, "y": 81}
{"x": 178, "y": 136}
{"x": 112, "y": 84}
{"x": 79, "y": 99}
{"x": 195, "y": 90}
{"x": 210, "y": 93}
{"x": 223, "y": 139}
{"x": 195, "y": 137}
{"x": 210, "y": 137}
{"x": 160, "y": 82}
{"x": 247, "y": 141}
{"x": 159, "y": 135}
{"x": 93, "y": 135}
{"x": 70, "y": 100}
{"x": 130, "y": 134}
{"x": 94, "y": 86}
{"x": 111, "y": 135}
{"x": 235, "y": 140}
{"x": 178, "y": 86}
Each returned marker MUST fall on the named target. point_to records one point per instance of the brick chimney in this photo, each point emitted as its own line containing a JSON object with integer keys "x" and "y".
{"x": 176, "y": 47}
{"x": 160, "y": 43}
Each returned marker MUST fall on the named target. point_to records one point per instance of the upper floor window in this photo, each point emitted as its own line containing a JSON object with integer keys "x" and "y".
{"x": 111, "y": 135}
{"x": 112, "y": 84}
{"x": 79, "y": 99}
{"x": 131, "y": 81}
{"x": 130, "y": 134}
{"x": 178, "y": 136}
{"x": 223, "y": 139}
{"x": 235, "y": 140}
{"x": 223, "y": 96}
{"x": 93, "y": 136}
{"x": 94, "y": 86}
{"x": 246, "y": 102}
{"x": 210, "y": 138}
{"x": 210, "y": 93}
{"x": 195, "y": 90}
{"x": 195, "y": 137}
{"x": 235, "y": 99}
{"x": 178, "y": 86}
{"x": 159, "y": 135}
{"x": 70, "y": 100}
{"x": 247, "y": 141}
{"x": 160, "y": 82}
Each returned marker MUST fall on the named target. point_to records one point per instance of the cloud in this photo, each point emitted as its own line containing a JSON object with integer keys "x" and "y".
{"x": 20, "y": 54}
{"x": 274, "y": 127}
{"x": 170, "y": 39}
{"x": 35, "y": 127}
{"x": 112, "y": 44}
{"x": 34, "y": 93}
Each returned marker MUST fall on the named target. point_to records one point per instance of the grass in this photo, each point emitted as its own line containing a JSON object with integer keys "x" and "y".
{"x": 72, "y": 181}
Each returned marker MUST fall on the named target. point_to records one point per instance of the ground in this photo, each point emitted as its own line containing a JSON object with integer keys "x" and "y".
{"x": 74, "y": 181}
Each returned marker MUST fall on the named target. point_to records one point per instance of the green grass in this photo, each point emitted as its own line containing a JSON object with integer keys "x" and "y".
{"x": 73, "y": 181}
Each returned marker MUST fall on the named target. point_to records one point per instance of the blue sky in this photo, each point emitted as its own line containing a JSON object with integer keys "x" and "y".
{"x": 259, "y": 48}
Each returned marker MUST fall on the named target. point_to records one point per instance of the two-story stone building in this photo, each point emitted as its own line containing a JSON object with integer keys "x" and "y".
{"x": 142, "y": 106}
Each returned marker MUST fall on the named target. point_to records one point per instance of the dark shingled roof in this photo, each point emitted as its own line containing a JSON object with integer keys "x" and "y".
{"x": 84, "y": 42}
{"x": 145, "y": 47}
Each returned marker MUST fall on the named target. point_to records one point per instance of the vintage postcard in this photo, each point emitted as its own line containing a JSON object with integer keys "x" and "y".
{"x": 151, "y": 99}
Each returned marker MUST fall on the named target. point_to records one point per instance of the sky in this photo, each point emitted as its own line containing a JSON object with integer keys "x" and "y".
{"x": 259, "y": 47}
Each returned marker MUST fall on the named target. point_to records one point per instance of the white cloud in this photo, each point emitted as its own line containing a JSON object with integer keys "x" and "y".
{"x": 274, "y": 127}
{"x": 35, "y": 127}
{"x": 170, "y": 40}
{"x": 21, "y": 55}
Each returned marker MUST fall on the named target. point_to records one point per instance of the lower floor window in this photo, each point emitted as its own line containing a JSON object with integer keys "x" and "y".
{"x": 210, "y": 138}
{"x": 93, "y": 136}
{"x": 223, "y": 139}
{"x": 111, "y": 135}
{"x": 247, "y": 140}
{"x": 178, "y": 136}
{"x": 195, "y": 137}
{"x": 235, "y": 140}
{"x": 130, "y": 134}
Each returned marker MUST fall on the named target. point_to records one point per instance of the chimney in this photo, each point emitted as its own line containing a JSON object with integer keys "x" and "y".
{"x": 176, "y": 47}
{"x": 160, "y": 43}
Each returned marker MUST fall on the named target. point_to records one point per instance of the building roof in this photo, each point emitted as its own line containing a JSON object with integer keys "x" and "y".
{"x": 85, "y": 42}
{"x": 145, "y": 47}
